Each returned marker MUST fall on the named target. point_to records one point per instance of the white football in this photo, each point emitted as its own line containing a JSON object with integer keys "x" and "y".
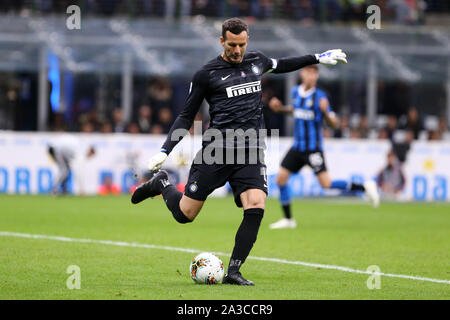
{"x": 206, "y": 268}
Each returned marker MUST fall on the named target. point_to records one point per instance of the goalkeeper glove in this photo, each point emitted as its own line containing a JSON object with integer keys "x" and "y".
{"x": 157, "y": 160}
{"x": 331, "y": 57}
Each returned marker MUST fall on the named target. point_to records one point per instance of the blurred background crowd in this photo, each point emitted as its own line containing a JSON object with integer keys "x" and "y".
{"x": 306, "y": 11}
{"x": 93, "y": 101}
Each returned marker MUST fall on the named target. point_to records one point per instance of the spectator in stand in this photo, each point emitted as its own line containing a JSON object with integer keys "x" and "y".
{"x": 87, "y": 127}
{"x": 119, "y": 124}
{"x": 391, "y": 179}
{"x": 156, "y": 129}
{"x": 363, "y": 128}
{"x": 442, "y": 127}
{"x": 133, "y": 128}
{"x": 108, "y": 187}
{"x": 433, "y": 135}
{"x": 144, "y": 118}
{"x": 383, "y": 134}
{"x": 391, "y": 126}
{"x": 106, "y": 127}
{"x": 91, "y": 117}
{"x": 165, "y": 118}
{"x": 354, "y": 133}
{"x": 343, "y": 131}
{"x": 412, "y": 122}
{"x": 160, "y": 94}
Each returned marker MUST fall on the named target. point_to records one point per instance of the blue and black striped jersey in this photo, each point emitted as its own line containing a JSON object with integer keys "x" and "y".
{"x": 307, "y": 118}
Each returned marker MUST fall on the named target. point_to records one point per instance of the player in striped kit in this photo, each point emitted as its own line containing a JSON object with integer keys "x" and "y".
{"x": 310, "y": 107}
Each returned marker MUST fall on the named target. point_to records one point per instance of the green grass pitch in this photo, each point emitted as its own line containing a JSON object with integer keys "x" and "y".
{"x": 401, "y": 239}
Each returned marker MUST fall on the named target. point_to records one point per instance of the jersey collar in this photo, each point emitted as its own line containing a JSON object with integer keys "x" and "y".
{"x": 307, "y": 93}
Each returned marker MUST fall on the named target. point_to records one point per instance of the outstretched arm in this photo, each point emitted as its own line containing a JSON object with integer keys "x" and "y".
{"x": 288, "y": 64}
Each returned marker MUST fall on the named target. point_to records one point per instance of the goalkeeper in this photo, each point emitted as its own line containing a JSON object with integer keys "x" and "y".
{"x": 231, "y": 84}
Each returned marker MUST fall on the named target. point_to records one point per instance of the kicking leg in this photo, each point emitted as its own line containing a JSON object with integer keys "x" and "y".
{"x": 369, "y": 187}
{"x": 183, "y": 208}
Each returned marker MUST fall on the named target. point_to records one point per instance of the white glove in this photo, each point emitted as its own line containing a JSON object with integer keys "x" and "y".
{"x": 156, "y": 161}
{"x": 331, "y": 57}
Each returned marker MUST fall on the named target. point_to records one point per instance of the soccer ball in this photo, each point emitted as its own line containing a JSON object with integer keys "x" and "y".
{"x": 206, "y": 268}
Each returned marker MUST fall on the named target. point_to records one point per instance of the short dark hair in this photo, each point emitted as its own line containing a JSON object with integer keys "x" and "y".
{"x": 234, "y": 25}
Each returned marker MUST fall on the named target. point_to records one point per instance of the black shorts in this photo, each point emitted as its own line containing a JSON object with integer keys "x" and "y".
{"x": 295, "y": 160}
{"x": 205, "y": 178}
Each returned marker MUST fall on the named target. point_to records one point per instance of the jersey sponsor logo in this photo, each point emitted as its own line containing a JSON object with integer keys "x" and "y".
{"x": 304, "y": 114}
{"x": 245, "y": 88}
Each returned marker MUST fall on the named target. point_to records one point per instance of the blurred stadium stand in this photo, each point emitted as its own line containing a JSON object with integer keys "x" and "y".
{"x": 128, "y": 68}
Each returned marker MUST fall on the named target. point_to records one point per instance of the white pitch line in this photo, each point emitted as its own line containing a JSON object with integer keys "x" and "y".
{"x": 168, "y": 248}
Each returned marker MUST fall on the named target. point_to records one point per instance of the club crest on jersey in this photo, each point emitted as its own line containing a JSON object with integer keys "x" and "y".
{"x": 244, "y": 88}
{"x": 193, "y": 187}
{"x": 255, "y": 69}
{"x": 243, "y": 75}
{"x": 309, "y": 103}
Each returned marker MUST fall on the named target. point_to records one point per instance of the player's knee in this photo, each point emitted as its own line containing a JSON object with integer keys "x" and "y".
{"x": 281, "y": 180}
{"x": 325, "y": 184}
{"x": 190, "y": 216}
{"x": 190, "y": 208}
{"x": 258, "y": 202}
{"x": 190, "y": 213}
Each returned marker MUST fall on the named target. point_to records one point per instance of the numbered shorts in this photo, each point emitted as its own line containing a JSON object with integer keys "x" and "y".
{"x": 205, "y": 178}
{"x": 295, "y": 160}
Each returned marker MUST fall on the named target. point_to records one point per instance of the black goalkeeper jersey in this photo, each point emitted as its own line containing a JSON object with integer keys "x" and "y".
{"x": 233, "y": 92}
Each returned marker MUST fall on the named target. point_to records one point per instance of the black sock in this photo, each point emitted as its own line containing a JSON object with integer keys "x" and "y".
{"x": 245, "y": 238}
{"x": 172, "y": 199}
{"x": 287, "y": 210}
{"x": 357, "y": 187}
